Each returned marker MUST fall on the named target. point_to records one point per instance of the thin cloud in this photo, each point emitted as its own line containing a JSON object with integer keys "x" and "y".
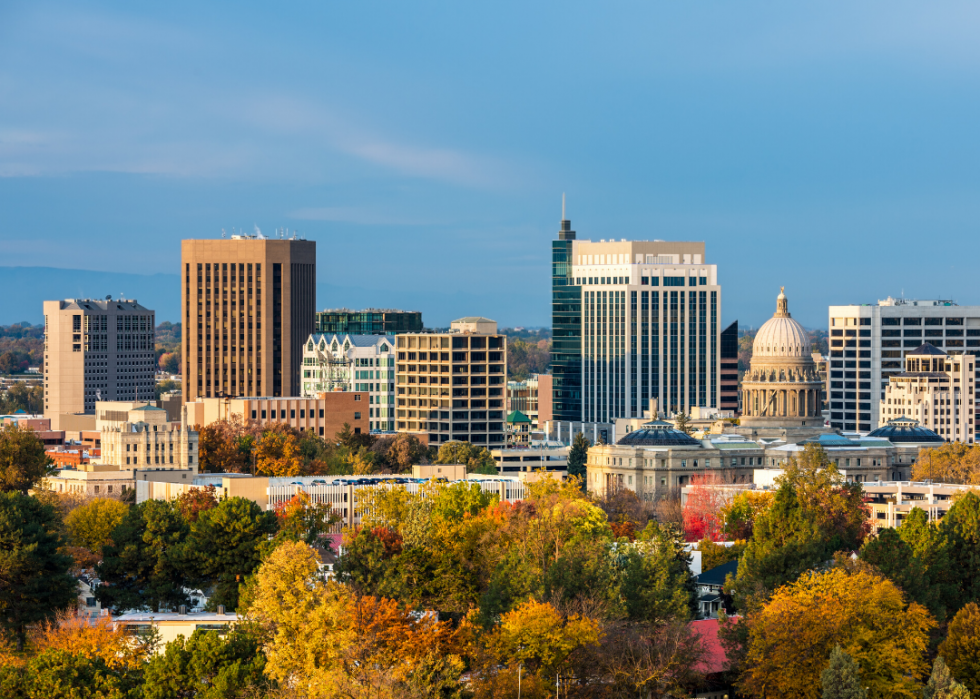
{"x": 358, "y": 216}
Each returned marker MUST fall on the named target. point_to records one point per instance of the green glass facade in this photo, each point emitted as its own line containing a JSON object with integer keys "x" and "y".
{"x": 368, "y": 322}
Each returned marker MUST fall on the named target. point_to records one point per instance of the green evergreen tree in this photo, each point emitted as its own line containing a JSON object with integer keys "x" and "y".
{"x": 143, "y": 567}
{"x": 578, "y": 457}
{"x": 683, "y": 423}
{"x": 895, "y": 559}
{"x": 23, "y": 461}
{"x": 224, "y": 547}
{"x": 842, "y": 678}
{"x": 217, "y": 666}
{"x": 34, "y": 575}
{"x": 961, "y": 529}
{"x": 941, "y": 684}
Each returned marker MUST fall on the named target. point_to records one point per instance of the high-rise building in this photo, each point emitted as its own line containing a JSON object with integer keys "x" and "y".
{"x": 633, "y": 321}
{"x": 729, "y": 368}
{"x": 936, "y": 390}
{"x": 450, "y": 386}
{"x": 247, "y": 305}
{"x": 869, "y": 344}
{"x": 370, "y": 321}
{"x": 364, "y": 363}
{"x": 96, "y": 350}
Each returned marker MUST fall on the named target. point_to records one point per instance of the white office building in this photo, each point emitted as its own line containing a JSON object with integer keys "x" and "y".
{"x": 650, "y": 327}
{"x": 353, "y": 363}
{"x": 869, "y": 344}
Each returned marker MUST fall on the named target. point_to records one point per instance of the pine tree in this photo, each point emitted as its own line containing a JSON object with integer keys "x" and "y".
{"x": 842, "y": 678}
{"x": 683, "y": 423}
{"x": 578, "y": 456}
{"x": 941, "y": 684}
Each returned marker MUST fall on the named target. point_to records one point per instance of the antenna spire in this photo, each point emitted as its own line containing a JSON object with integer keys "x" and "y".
{"x": 563, "y": 207}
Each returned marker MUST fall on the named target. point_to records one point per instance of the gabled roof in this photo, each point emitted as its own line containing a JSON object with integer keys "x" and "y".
{"x": 473, "y": 319}
{"x": 927, "y": 348}
{"x": 717, "y": 575}
{"x": 146, "y": 407}
{"x": 355, "y": 340}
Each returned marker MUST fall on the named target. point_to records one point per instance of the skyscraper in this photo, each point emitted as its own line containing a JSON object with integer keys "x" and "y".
{"x": 632, "y": 321}
{"x": 870, "y": 343}
{"x": 247, "y": 306}
{"x": 96, "y": 350}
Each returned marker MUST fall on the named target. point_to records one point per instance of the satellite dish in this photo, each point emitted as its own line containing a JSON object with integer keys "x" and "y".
{"x": 108, "y": 297}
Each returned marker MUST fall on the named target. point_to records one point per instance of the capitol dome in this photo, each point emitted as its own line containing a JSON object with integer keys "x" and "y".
{"x": 781, "y": 336}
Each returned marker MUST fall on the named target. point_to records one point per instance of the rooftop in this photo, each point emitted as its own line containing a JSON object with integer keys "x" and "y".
{"x": 657, "y": 433}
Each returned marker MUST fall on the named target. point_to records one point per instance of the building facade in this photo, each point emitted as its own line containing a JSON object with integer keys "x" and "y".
{"x": 247, "y": 306}
{"x": 647, "y": 316}
{"x": 451, "y": 386}
{"x": 370, "y": 321}
{"x": 728, "y": 391}
{"x": 324, "y": 415}
{"x": 363, "y": 363}
{"x": 532, "y": 396}
{"x": 936, "y": 390}
{"x": 141, "y": 436}
{"x": 96, "y": 350}
{"x": 868, "y": 344}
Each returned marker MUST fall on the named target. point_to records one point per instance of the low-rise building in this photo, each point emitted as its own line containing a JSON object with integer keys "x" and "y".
{"x": 514, "y": 462}
{"x": 937, "y": 390}
{"x": 324, "y": 415}
{"x": 369, "y": 321}
{"x": 141, "y": 436}
{"x": 711, "y": 590}
{"x": 170, "y": 625}
{"x": 360, "y": 363}
{"x": 891, "y": 502}
{"x": 532, "y": 396}
{"x": 108, "y": 481}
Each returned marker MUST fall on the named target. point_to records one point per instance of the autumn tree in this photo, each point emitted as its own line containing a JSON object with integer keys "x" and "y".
{"x": 91, "y": 525}
{"x": 277, "y": 453}
{"x": 477, "y": 459}
{"x": 714, "y": 555}
{"x": 34, "y": 574}
{"x": 953, "y": 462}
{"x": 23, "y": 461}
{"x": 224, "y": 547}
{"x": 702, "y": 510}
{"x": 77, "y": 633}
{"x": 941, "y": 684}
{"x": 398, "y": 453}
{"x": 196, "y": 500}
{"x": 865, "y": 614}
{"x": 842, "y": 678}
{"x": 301, "y": 519}
{"x": 739, "y": 513}
{"x": 961, "y": 649}
{"x": 578, "y": 457}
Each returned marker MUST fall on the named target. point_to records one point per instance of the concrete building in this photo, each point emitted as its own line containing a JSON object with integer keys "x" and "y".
{"x": 533, "y": 397}
{"x": 370, "y": 321}
{"x": 936, "y": 390}
{"x": 170, "y": 625}
{"x": 96, "y": 350}
{"x": 632, "y": 321}
{"x": 325, "y": 414}
{"x": 891, "y": 502}
{"x": 363, "y": 363}
{"x": 520, "y": 462}
{"x": 868, "y": 344}
{"x": 450, "y": 386}
{"x": 247, "y": 307}
{"x": 140, "y": 435}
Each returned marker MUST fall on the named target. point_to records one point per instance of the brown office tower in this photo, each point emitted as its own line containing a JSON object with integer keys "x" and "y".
{"x": 247, "y": 305}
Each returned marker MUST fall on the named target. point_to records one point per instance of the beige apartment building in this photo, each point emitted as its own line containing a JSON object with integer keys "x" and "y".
{"x": 247, "y": 306}
{"x": 937, "y": 390}
{"x": 451, "y": 386}
{"x": 96, "y": 350}
{"x": 324, "y": 414}
{"x": 141, "y": 436}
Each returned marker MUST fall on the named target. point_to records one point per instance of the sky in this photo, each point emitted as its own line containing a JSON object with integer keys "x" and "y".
{"x": 830, "y": 147}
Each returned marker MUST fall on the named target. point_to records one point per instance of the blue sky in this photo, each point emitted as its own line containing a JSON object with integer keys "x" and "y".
{"x": 828, "y": 147}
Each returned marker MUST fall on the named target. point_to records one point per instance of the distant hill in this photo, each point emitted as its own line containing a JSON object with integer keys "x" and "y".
{"x": 25, "y": 288}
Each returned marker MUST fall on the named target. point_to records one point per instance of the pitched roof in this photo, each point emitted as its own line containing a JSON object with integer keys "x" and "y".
{"x": 146, "y": 407}
{"x": 927, "y": 348}
{"x": 715, "y": 660}
{"x": 717, "y": 575}
{"x": 518, "y": 416}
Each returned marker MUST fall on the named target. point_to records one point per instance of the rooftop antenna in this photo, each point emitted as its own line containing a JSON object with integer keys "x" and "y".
{"x": 222, "y": 232}
{"x": 563, "y": 207}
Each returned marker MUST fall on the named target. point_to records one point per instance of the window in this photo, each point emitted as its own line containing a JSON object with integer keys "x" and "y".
{"x": 357, "y": 416}
{"x": 357, "y": 399}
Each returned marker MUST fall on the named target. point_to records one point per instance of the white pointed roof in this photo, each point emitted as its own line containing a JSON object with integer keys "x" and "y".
{"x": 781, "y": 336}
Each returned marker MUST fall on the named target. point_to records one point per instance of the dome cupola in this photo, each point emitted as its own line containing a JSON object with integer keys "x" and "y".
{"x": 781, "y": 336}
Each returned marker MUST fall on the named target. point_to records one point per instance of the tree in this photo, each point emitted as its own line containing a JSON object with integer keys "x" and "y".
{"x": 842, "y": 678}
{"x": 224, "y": 546}
{"x": 143, "y": 566}
{"x": 578, "y": 458}
{"x": 941, "y": 684}
{"x": 861, "y": 611}
{"x": 34, "y": 574}
{"x": 277, "y": 453}
{"x": 683, "y": 423}
{"x": 90, "y": 526}
{"x": 300, "y": 519}
{"x": 58, "y": 673}
{"x": 896, "y": 560}
{"x": 702, "y": 511}
{"x": 217, "y": 666}
{"x": 194, "y": 501}
{"x": 961, "y": 649}
{"x": 740, "y": 513}
{"x": 399, "y": 453}
{"x": 656, "y": 582}
{"x": 23, "y": 461}
{"x": 953, "y": 462}
{"x": 457, "y": 452}
{"x": 714, "y": 555}
{"x": 961, "y": 529}
{"x": 347, "y": 437}
{"x": 169, "y": 362}
{"x": 76, "y": 633}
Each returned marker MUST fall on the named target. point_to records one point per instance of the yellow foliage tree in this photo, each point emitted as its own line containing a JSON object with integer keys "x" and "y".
{"x": 75, "y": 633}
{"x": 278, "y": 454}
{"x": 91, "y": 525}
{"x": 791, "y": 637}
{"x": 954, "y": 462}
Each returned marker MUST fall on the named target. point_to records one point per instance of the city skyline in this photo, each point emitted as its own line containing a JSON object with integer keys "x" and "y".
{"x": 773, "y": 137}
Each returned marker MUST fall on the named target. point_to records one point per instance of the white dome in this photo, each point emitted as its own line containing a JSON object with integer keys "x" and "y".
{"x": 781, "y": 336}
